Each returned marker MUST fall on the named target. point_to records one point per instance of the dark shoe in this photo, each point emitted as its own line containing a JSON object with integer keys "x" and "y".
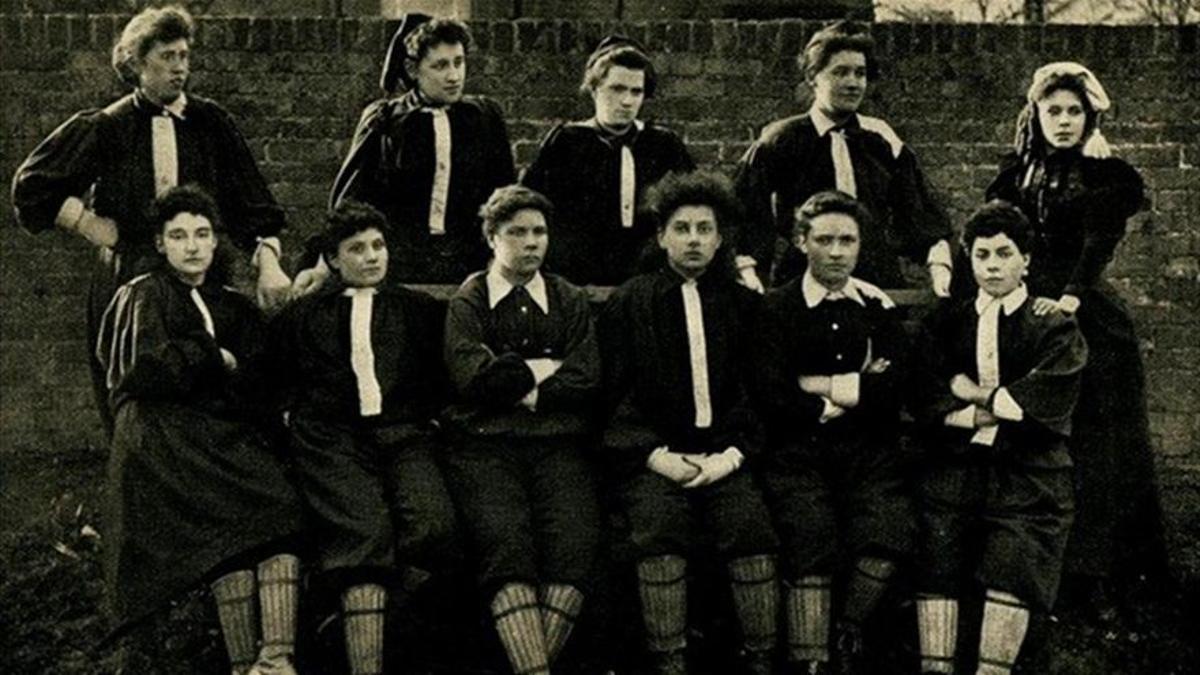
{"x": 670, "y": 663}
{"x": 849, "y": 649}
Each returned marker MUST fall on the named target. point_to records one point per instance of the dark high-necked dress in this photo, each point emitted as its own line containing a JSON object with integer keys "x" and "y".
{"x": 193, "y": 477}
{"x": 1078, "y": 207}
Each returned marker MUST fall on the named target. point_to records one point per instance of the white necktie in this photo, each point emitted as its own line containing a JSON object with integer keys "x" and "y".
{"x": 362, "y": 356}
{"x": 209, "y": 326}
{"x": 693, "y": 316}
{"x": 165, "y": 153}
{"x": 628, "y": 186}
{"x": 441, "y": 171}
{"x": 987, "y": 360}
{"x": 843, "y": 168}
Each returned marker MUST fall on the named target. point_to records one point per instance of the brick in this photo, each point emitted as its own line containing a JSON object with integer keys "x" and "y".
{"x": 503, "y": 37}
{"x": 725, "y": 38}
{"x": 702, "y": 37}
{"x": 679, "y": 36}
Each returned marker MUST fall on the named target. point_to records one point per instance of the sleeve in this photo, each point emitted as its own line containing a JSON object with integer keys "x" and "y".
{"x": 574, "y": 386}
{"x": 480, "y": 376}
{"x": 540, "y": 173}
{"x": 431, "y": 336}
{"x": 742, "y": 427}
{"x": 881, "y": 391}
{"x": 918, "y": 219}
{"x": 253, "y": 383}
{"x": 500, "y": 151}
{"x": 1006, "y": 185}
{"x": 138, "y": 354}
{"x": 248, "y": 207}
{"x": 1048, "y": 392}
{"x": 629, "y": 438}
{"x": 929, "y": 375}
{"x": 778, "y": 392}
{"x": 358, "y": 177}
{"x": 61, "y": 166}
{"x": 754, "y": 189}
{"x": 1101, "y": 211}
{"x": 282, "y": 358}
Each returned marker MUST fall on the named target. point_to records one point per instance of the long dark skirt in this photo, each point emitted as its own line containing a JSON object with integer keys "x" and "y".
{"x": 186, "y": 492}
{"x": 1118, "y": 531}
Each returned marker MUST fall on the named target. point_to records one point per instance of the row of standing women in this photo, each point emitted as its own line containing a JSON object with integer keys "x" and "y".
{"x": 428, "y": 157}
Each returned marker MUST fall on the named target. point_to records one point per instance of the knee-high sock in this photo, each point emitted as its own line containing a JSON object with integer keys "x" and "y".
{"x": 278, "y": 596}
{"x": 519, "y": 624}
{"x": 662, "y": 586}
{"x": 561, "y": 604}
{"x": 865, "y": 587}
{"x": 1005, "y": 620}
{"x": 937, "y": 621}
{"x": 756, "y": 599}
{"x": 809, "y": 606}
{"x": 234, "y": 595}
{"x": 362, "y": 616}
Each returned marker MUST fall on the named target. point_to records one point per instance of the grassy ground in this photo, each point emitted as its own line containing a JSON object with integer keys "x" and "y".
{"x": 51, "y": 593}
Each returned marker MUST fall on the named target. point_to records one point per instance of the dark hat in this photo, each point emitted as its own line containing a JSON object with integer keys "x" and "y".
{"x": 397, "y": 53}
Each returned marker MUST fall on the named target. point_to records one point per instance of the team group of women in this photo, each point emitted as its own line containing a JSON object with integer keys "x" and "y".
{"x": 739, "y": 395}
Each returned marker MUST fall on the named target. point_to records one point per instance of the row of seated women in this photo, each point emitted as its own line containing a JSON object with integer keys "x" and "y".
{"x": 428, "y": 157}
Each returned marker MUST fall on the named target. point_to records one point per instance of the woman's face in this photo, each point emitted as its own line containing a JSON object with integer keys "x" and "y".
{"x": 840, "y": 86}
{"x": 1062, "y": 118}
{"x": 163, "y": 71}
{"x": 188, "y": 242}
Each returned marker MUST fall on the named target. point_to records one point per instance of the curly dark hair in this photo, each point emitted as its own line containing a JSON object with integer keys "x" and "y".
{"x": 347, "y": 219}
{"x": 188, "y": 198}
{"x": 435, "y": 32}
{"x": 693, "y": 188}
{"x": 998, "y": 217}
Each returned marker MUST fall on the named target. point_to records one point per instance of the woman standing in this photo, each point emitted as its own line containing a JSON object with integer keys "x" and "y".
{"x": 1078, "y": 197}
{"x": 195, "y": 492}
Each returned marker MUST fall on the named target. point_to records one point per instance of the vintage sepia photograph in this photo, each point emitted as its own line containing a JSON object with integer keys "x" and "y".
{"x": 600, "y": 337}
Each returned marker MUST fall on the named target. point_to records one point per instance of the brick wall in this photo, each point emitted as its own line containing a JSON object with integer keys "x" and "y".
{"x": 296, "y": 86}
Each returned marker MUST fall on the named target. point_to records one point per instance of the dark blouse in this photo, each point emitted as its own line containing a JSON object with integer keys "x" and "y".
{"x": 1041, "y": 359}
{"x": 833, "y": 337}
{"x": 310, "y": 349}
{"x": 1078, "y": 207}
{"x": 486, "y": 349}
{"x": 391, "y": 167}
{"x": 790, "y": 162}
{"x": 154, "y": 346}
{"x": 111, "y": 150}
{"x": 578, "y": 167}
{"x": 647, "y": 367}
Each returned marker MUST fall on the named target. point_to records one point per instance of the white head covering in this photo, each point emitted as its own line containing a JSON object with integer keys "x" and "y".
{"x": 1096, "y": 144}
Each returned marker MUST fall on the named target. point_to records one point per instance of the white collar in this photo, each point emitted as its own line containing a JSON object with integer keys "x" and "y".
{"x": 352, "y": 291}
{"x": 815, "y": 293}
{"x": 498, "y": 288}
{"x": 1011, "y": 302}
{"x": 821, "y": 122}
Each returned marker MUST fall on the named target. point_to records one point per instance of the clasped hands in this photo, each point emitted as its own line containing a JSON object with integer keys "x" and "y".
{"x": 694, "y": 469}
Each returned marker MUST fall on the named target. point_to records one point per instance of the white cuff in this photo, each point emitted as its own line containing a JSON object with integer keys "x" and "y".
{"x": 939, "y": 254}
{"x": 272, "y": 243}
{"x": 962, "y": 419}
{"x": 1005, "y": 407}
{"x": 734, "y": 455}
{"x": 70, "y": 213}
{"x": 844, "y": 389}
{"x": 543, "y": 369}
{"x": 741, "y": 262}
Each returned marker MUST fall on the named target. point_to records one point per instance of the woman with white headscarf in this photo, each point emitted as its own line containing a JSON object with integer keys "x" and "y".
{"x": 1078, "y": 197}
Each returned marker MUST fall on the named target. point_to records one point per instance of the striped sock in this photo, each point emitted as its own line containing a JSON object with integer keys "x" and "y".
{"x": 362, "y": 617}
{"x": 234, "y": 595}
{"x": 937, "y": 621}
{"x": 1005, "y": 620}
{"x": 561, "y": 604}
{"x": 662, "y": 585}
{"x": 809, "y": 607}
{"x": 519, "y": 624}
{"x": 865, "y": 587}
{"x": 278, "y": 597}
{"x": 756, "y": 600}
